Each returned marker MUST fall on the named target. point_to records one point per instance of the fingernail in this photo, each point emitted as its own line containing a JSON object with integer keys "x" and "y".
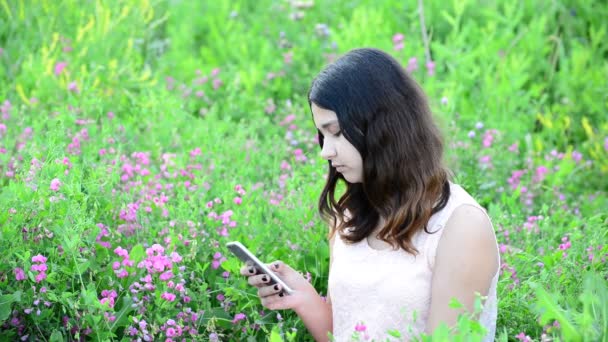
{"x": 276, "y": 287}
{"x": 264, "y": 279}
{"x": 281, "y": 294}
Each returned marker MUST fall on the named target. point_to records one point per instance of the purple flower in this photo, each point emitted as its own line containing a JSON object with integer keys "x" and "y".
{"x": 39, "y": 267}
{"x": 39, "y": 258}
{"x": 19, "y": 274}
{"x": 168, "y": 296}
{"x": 40, "y": 277}
{"x": 166, "y": 276}
{"x": 239, "y": 317}
{"x": 541, "y": 171}
{"x": 121, "y": 252}
{"x": 577, "y": 156}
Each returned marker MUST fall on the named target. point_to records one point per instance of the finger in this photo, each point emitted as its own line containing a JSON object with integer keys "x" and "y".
{"x": 276, "y": 302}
{"x": 248, "y": 270}
{"x": 266, "y": 291}
{"x": 258, "y": 280}
{"x": 278, "y": 267}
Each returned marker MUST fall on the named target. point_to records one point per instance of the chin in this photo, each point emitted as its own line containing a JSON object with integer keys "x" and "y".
{"x": 351, "y": 179}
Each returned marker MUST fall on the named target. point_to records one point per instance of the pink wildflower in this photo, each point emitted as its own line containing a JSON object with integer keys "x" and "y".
{"x": 39, "y": 268}
{"x": 523, "y": 337}
{"x": 40, "y": 277}
{"x": 412, "y": 65}
{"x": 398, "y": 38}
{"x": 55, "y": 184}
{"x": 39, "y": 258}
{"x": 166, "y": 276}
{"x": 121, "y": 252}
{"x": 360, "y": 327}
{"x": 430, "y": 66}
{"x": 73, "y": 87}
{"x": 541, "y": 171}
{"x": 168, "y": 296}
{"x": 239, "y": 317}
{"x": 59, "y": 67}
{"x": 19, "y": 274}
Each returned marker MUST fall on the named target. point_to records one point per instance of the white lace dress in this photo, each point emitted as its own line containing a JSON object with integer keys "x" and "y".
{"x": 391, "y": 290}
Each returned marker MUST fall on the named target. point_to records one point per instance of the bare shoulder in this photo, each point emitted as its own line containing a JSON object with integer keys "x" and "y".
{"x": 468, "y": 240}
{"x": 469, "y": 223}
{"x": 466, "y": 262}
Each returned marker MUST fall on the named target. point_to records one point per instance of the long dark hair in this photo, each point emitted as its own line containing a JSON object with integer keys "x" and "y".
{"x": 384, "y": 114}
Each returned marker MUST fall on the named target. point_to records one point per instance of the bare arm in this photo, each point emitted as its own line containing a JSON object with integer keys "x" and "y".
{"x": 465, "y": 263}
{"x": 315, "y": 313}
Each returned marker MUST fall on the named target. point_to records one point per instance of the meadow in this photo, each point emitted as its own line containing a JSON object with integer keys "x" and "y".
{"x": 138, "y": 137}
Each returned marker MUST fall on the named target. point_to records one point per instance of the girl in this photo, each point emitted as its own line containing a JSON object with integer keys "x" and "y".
{"x": 403, "y": 239}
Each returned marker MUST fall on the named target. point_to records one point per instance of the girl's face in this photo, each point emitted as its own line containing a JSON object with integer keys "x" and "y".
{"x": 343, "y": 156}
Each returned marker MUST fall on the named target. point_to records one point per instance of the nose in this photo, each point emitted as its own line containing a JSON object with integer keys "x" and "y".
{"x": 329, "y": 150}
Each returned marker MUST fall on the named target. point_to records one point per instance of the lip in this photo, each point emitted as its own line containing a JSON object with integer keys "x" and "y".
{"x": 339, "y": 168}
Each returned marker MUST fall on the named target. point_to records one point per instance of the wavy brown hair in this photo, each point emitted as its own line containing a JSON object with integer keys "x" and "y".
{"x": 384, "y": 114}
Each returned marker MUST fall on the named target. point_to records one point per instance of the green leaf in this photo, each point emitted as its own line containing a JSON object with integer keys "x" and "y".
{"x": 5, "y": 306}
{"x": 394, "y": 333}
{"x": 56, "y": 336}
{"x": 232, "y": 265}
{"x": 137, "y": 254}
{"x": 455, "y": 304}
{"x": 122, "y": 317}
{"x": 550, "y": 310}
{"x": 275, "y": 336}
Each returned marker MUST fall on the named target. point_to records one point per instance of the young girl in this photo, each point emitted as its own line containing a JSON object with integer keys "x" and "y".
{"x": 403, "y": 239}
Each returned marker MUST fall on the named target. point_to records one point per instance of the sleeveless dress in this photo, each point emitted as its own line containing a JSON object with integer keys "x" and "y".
{"x": 388, "y": 290}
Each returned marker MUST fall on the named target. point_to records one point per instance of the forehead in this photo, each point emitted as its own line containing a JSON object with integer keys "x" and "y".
{"x": 323, "y": 116}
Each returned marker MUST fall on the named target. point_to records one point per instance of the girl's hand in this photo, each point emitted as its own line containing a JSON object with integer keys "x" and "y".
{"x": 272, "y": 296}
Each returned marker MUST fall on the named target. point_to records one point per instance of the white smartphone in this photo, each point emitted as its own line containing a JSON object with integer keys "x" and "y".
{"x": 247, "y": 257}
